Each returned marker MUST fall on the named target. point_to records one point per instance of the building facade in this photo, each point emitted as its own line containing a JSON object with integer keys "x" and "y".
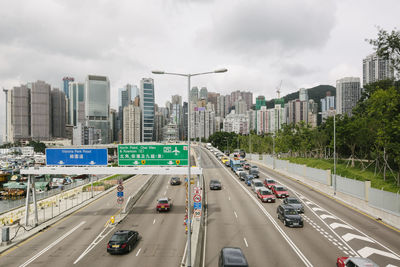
{"x": 348, "y": 92}
{"x": 237, "y": 123}
{"x": 132, "y": 116}
{"x": 147, "y": 100}
{"x": 376, "y": 69}
{"x": 41, "y": 128}
{"x": 58, "y": 113}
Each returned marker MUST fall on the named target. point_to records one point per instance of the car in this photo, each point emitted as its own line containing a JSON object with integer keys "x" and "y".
{"x": 254, "y": 171}
{"x": 280, "y": 191}
{"x": 224, "y": 159}
{"x": 228, "y": 163}
{"x": 355, "y": 262}
{"x": 248, "y": 179}
{"x": 268, "y": 182}
{"x": 256, "y": 184}
{"x": 215, "y": 185}
{"x": 164, "y": 204}
{"x": 227, "y": 152}
{"x": 246, "y": 166}
{"x": 232, "y": 257}
{"x": 122, "y": 241}
{"x": 265, "y": 195}
{"x": 294, "y": 202}
{"x": 289, "y": 216}
{"x": 242, "y": 176}
{"x": 175, "y": 181}
{"x": 239, "y": 169}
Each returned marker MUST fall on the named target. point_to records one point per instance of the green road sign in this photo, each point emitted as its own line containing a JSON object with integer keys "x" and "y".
{"x": 150, "y": 155}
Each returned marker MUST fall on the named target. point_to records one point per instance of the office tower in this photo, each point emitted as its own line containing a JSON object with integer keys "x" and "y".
{"x": 76, "y": 102}
{"x": 303, "y": 94}
{"x": 203, "y": 94}
{"x": 97, "y": 106}
{"x": 58, "y": 112}
{"x": 376, "y": 69}
{"x": 348, "y": 93}
{"x": 185, "y": 120}
{"x": 66, "y": 82}
{"x": 176, "y": 114}
{"x": 131, "y": 129}
{"x": 260, "y": 102}
{"x": 41, "y": 128}
{"x": 19, "y": 126}
{"x": 327, "y": 104}
{"x": 194, "y": 94}
{"x": 113, "y": 125}
{"x": 147, "y": 107}
{"x": 159, "y": 124}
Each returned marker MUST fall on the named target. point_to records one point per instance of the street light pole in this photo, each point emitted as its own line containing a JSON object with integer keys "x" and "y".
{"x": 189, "y": 223}
{"x": 334, "y": 152}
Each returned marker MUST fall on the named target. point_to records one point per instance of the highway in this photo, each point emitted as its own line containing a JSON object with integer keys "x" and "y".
{"x": 237, "y": 218}
{"x": 81, "y": 238}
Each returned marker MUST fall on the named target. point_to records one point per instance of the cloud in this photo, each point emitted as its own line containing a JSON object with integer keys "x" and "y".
{"x": 265, "y": 27}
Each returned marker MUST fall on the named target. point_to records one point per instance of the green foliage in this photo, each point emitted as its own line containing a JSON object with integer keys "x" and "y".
{"x": 38, "y": 147}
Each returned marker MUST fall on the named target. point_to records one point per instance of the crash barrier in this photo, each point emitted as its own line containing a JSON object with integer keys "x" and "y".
{"x": 385, "y": 205}
{"x": 134, "y": 197}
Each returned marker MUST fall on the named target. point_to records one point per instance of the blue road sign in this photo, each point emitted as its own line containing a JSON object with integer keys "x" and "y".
{"x": 120, "y": 194}
{"x": 76, "y": 157}
{"x": 197, "y": 205}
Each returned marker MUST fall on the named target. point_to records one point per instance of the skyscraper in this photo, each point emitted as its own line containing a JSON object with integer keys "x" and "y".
{"x": 66, "y": 82}
{"x": 260, "y": 102}
{"x": 348, "y": 93}
{"x": 203, "y": 95}
{"x": 376, "y": 69}
{"x": 41, "y": 128}
{"x": 327, "y": 103}
{"x": 20, "y": 115}
{"x": 303, "y": 94}
{"x": 194, "y": 94}
{"x": 76, "y": 103}
{"x": 97, "y": 105}
{"x": 147, "y": 106}
{"x": 58, "y": 112}
{"x": 132, "y": 116}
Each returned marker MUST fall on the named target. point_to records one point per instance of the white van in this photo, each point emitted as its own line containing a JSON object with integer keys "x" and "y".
{"x": 256, "y": 184}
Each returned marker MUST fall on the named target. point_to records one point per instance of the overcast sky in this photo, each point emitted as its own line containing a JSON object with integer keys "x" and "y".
{"x": 261, "y": 42}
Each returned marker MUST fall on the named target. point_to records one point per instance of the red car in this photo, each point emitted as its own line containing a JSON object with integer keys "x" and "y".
{"x": 280, "y": 191}
{"x": 164, "y": 204}
{"x": 265, "y": 195}
{"x": 268, "y": 182}
{"x": 355, "y": 261}
{"x": 246, "y": 166}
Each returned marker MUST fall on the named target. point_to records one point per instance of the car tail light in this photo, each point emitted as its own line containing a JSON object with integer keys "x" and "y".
{"x": 123, "y": 245}
{"x": 108, "y": 245}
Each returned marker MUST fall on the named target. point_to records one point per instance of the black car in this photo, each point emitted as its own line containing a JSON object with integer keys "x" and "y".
{"x": 122, "y": 241}
{"x": 175, "y": 181}
{"x": 215, "y": 185}
{"x": 232, "y": 257}
{"x": 289, "y": 216}
{"x": 242, "y": 176}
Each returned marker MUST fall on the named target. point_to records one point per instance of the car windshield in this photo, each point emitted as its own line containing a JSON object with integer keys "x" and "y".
{"x": 214, "y": 182}
{"x": 258, "y": 184}
{"x": 270, "y": 181}
{"x": 254, "y": 167}
{"x": 239, "y": 169}
{"x": 265, "y": 192}
{"x": 280, "y": 188}
{"x": 293, "y": 201}
{"x": 291, "y": 212}
{"x": 119, "y": 238}
{"x": 164, "y": 201}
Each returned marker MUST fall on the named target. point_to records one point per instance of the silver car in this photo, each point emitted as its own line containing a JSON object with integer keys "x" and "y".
{"x": 295, "y": 203}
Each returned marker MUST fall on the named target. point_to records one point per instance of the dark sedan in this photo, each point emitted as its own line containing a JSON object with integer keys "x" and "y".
{"x": 215, "y": 185}
{"x": 175, "y": 181}
{"x": 122, "y": 241}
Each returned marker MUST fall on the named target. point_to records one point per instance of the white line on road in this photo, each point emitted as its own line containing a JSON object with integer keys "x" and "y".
{"x": 245, "y": 241}
{"x": 229, "y": 198}
{"x": 235, "y": 214}
{"x": 165, "y": 193}
{"x": 154, "y": 221}
{"x": 138, "y": 252}
{"x": 52, "y": 245}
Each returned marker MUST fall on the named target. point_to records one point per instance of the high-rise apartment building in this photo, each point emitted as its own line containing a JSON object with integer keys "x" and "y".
{"x": 147, "y": 106}
{"x": 159, "y": 124}
{"x": 131, "y": 128}
{"x": 260, "y": 102}
{"x": 220, "y": 106}
{"x": 376, "y": 69}
{"x": 240, "y": 106}
{"x": 202, "y": 122}
{"x": 303, "y": 94}
{"x": 41, "y": 128}
{"x": 19, "y": 115}
{"x": 66, "y": 82}
{"x": 348, "y": 93}
{"x": 296, "y": 111}
{"x": 237, "y": 123}
{"x": 97, "y": 105}
{"x": 58, "y": 112}
{"x": 327, "y": 104}
{"x": 76, "y": 102}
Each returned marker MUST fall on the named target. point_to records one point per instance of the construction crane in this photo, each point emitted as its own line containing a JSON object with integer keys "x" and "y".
{"x": 278, "y": 90}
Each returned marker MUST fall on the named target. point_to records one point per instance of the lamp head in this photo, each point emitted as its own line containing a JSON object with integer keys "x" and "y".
{"x": 220, "y": 70}
{"x": 158, "y": 72}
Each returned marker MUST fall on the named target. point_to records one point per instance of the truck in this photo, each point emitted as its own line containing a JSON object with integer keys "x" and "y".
{"x": 235, "y": 164}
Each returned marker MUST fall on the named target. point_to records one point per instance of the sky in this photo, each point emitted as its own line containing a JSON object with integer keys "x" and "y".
{"x": 302, "y": 43}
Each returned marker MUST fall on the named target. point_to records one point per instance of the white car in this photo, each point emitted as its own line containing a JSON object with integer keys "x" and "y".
{"x": 256, "y": 184}
{"x": 238, "y": 170}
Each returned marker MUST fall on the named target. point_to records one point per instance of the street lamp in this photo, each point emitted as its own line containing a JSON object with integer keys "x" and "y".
{"x": 188, "y": 255}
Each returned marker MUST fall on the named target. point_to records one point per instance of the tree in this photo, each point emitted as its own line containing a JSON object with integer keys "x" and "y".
{"x": 387, "y": 46}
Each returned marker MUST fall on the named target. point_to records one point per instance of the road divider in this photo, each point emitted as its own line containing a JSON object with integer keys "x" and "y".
{"x": 135, "y": 196}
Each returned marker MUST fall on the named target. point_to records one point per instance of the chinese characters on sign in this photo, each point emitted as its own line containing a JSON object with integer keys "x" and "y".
{"x": 151, "y": 155}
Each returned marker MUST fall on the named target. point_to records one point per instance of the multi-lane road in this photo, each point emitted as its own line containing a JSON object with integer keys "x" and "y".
{"x": 235, "y": 217}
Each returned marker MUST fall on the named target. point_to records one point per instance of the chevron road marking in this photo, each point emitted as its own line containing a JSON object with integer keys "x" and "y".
{"x": 350, "y": 236}
{"x": 367, "y": 251}
{"x": 317, "y": 209}
{"x": 338, "y": 225}
{"x": 325, "y": 216}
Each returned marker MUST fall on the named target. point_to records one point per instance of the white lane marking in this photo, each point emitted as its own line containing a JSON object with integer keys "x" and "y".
{"x": 96, "y": 241}
{"x": 317, "y": 209}
{"x": 245, "y": 241}
{"x": 52, "y": 244}
{"x": 205, "y": 232}
{"x": 154, "y": 221}
{"x": 390, "y": 265}
{"x": 235, "y": 214}
{"x": 326, "y": 216}
{"x": 337, "y": 225}
{"x": 229, "y": 198}
{"x": 165, "y": 193}
{"x": 367, "y": 251}
{"x": 138, "y": 252}
{"x": 347, "y": 237}
{"x": 280, "y": 230}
